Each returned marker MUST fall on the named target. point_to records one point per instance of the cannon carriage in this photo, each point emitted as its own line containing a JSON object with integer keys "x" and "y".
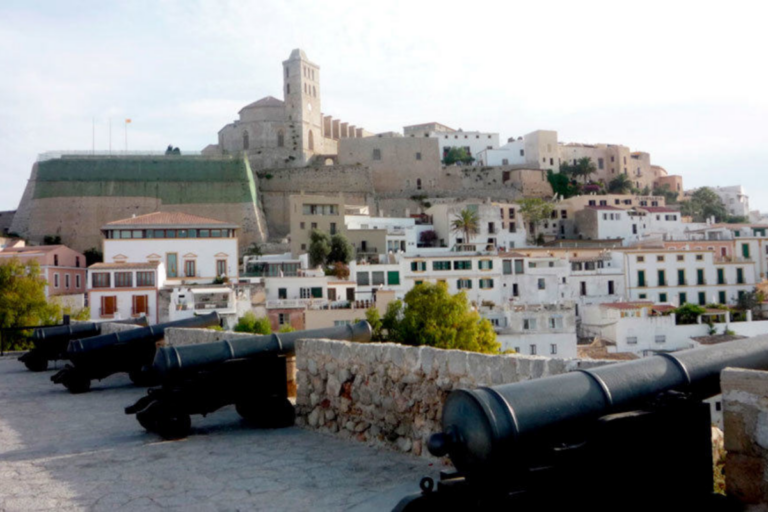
{"x": 247, "y": 372}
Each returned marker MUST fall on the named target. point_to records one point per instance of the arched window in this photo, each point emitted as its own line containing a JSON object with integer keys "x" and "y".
{"x": 314, "y": 93}
{"x": 245, "y": 140}
{"x": 287, "y": 88}
{"x": 418, "y": 184}
{"x": 280, "y": 138}
{"x": 311, "y": 142}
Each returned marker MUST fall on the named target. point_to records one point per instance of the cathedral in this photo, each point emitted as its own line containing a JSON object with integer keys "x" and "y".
{"x": 292, "y": 132}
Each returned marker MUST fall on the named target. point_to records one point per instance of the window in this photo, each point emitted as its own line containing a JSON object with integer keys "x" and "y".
{"x": 739, "y": 276}
{"x": 283, "y": 318}
{"x": 700, "y": 276}
{"x": 77, "y": 261}
{"x": 56, "y": 280}
{"x": 681, "y": 277}
{"x": 485, "y": 264}
{"x": 340, "y": 323}
{"x": 512, "y": 227}
{"x": 515, "y": 290}
{"x": 611, "y": 288}
{"x": 77, "y": 281}
{"x": 721, "y": 297}
{"x": 640, "y": 259}
{"x": 418, "y": 156}
{"x": 66, "y": 281}
{"x": 108, "y": 305}
{"x": 600, "y": 163}
{"x": 662, "y": 278}
{"x": 305, "y": 293}
{"x": 333, "y": 228}
{"x": 641, "y": 278}
{"x": 680, "y": 257}
{"x": 632, "y": 340}
{"x": 377, "y": 154}
{"x": 660, "y": 338}
{"x": 519, "y": 267}
{"x": 542, "y": 284}
{"x": 533, "y": 350}
{"x": 529, "y": 324}
{"x": 282, "y": 293}
{"x": 721, "y": 276}
{"x": 702, "y": 299}
{"x": 699, "y": 257}
{"x": 100, "y": 280}
{"x": 506, "y": 267}
{"x": 418, "y": 266}
{"x": 463, "y": 284}
{"x": 662, "y": 297}
{"x": 123, "y": 279}
{"x": 393, "y": 277}
{"x": 486, "y": 284}
{"x": 683, "y": 298}
{"x": 462, "y": 265}
{"x": 190, "y": 268}
{"x": 745, "y": 251}
{"x": 522, "y": 152}
{"x": 140, "y": 305}
{"x": 377, "y": 278}
{"x": 556, "y": 322}
{"x": 314, "y": 225}
{"x": 145, "y": 279}
{"x": 660, "y": 258}
{"x": 441, "y": 265}
{"x": 245, "y": 140}
{"x": 583, "y": 288}
{"x": 363, "y": 278}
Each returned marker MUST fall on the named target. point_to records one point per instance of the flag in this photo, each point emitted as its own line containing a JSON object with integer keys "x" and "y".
{"x": 127, "y": 121}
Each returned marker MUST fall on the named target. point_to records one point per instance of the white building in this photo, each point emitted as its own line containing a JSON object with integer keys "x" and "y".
{"x": 538, "y": 150}
{"x": 474, "y": 142}
{"x": 535, "y": 329}
{"x": 118, "y": 291}
{"x": 402, "y": 234}
{"x": 500, "y": 224}
{"x": 735, "y": 199}
{"x": 194, "y": 250}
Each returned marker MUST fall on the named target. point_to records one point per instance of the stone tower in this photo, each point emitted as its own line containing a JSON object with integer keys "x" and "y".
{"x": 301, "y": 87}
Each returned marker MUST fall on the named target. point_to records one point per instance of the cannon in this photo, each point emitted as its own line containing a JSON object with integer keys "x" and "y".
{"x": 628, "y": 435}
{"x": 247, "y": 372}
{"x": 51, "y": 342}
{"x": 127, "y": 351}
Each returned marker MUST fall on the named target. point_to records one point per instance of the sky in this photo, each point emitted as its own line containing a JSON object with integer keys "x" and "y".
{"x": 684, "y": 81}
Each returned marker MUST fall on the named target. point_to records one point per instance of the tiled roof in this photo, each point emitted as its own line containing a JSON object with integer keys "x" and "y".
{"x": 268, "y": 101}
{"x": 717, "y": 338}
{"x": 512, "y": 254}
{"x": 167, "y": 219}
{"x": 125, "y": 266}
{"x": 627, "y": 305}
{"x": 604, "y": 207}
{"x": 34, "y": 248}
{"x": 658, "y": 209}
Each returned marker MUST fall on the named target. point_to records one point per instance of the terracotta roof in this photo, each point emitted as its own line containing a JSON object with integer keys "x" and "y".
{"x": 125, "y": 266}
{"x": 658, "y": 209}
{"x": 512, "y": 254}
{"x": 663, "y": 308}
{"x": 268, "y": 101}
{"x": 627, "y": 305}
{"x": 167, "y": 219}
{"x": 34, "y": 248}
{"x": 717, "y": 338}
{"x": 604, "y": 207}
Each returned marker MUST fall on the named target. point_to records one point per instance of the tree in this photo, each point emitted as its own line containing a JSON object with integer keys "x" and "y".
{"x": 583, "y": 168}
{"x": 621, "y": 184}
{"x": 253, "y": 250}
{"x": 438, "y": 319}
{"x": 670, "y": 196}
{"x": 688, "y": 313}
{"x": 427, "y": 238}
{"x": 457, "y": 155}
{"x": 751, "y": 301}
{"x": 286, "y": 328}
{"x": 22, "y": 296}
{"x": 467, "y": 222}
{"x": 341, "y": 250}
{"x": 340, "y": 270}
{"x": 535, "y": 211}
{"x": 391, "y": 320}
{"x": 51, "y": 240}
{"x": 373, "y": 317}
{"x": 561, "y": 184}
{"x": 249, "y": 322}
{"x": 703, "y": 204}
{"x": 93, "y": 255}
{"x": 319, "y": 247}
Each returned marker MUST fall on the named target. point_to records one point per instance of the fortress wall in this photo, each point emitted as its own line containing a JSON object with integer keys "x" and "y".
{"x": 74, "y": 197}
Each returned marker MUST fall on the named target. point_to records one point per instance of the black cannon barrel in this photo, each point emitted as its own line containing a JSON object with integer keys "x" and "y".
{"x": 487, "y": 429}
{"x": 153, "y": 332}
{"x": 80, "y": 330}
{"x": 171, "y": 359}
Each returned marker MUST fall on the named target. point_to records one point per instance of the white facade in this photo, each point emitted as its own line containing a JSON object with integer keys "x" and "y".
{"x": 735, "y": 199}
{"x": 371, "y": 278}
{"x": 121, "y": 291}
{"x": 500, "y": 224}
{"x": 540, "y": 329}
{"x": 188, "y": 301}
{"x": 296, "y": 292}
{"x": 402, "y": 233}
{"x": 473, "y": 142}
{"x": 538, "y": 150}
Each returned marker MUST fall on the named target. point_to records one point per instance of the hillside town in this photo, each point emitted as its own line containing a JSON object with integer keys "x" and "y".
{"x": 476, "y": 260}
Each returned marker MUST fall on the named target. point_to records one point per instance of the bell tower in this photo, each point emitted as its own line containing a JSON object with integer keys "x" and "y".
{"x": 301, "y": 89}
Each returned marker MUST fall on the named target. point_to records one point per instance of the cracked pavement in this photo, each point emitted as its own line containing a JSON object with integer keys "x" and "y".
{"x": 81, "y": 452}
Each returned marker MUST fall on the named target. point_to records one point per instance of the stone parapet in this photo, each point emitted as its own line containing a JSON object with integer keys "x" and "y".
{"x": 392, "y": 395}
{"x": 745, "y": 417}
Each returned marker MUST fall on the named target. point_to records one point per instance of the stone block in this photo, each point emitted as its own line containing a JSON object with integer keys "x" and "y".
{"x": 457, "y": 362}
{"x": 333, "y": 386}
{"x": 312, "y": 367}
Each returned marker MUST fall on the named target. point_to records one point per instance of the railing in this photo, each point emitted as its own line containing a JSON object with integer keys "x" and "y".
{"x": 212, "y": 305}
{"x": 366, "y": 250}
{"x": 296, "y": 303}
{"x": 732, "y": 259}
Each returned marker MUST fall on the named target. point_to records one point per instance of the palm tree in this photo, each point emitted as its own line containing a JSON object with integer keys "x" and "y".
{"x": 584, "y": 167}
{"x": 621, "y": 184}
{"x": 468, "y": 222}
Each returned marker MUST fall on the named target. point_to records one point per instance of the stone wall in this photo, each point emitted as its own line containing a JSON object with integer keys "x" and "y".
{"x": 745, "y": 417}
{"x": 111, "y": 328}
{"x": 392, "y": 395}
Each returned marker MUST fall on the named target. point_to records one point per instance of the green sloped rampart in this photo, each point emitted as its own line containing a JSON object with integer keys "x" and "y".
{"x": 173, "y": 180}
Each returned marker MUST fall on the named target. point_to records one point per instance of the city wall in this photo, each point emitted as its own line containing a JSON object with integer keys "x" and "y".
{"x": 392, "y": 395}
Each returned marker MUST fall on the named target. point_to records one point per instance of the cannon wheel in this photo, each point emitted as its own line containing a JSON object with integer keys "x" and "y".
{"x": 169, "y": 423}
{"x": 35, "y": 363}
{"x": 267, "y": 413}
{"x": 76, "y": 383}
{"x": 143, "y": 378}
{"x": 146, "y": 417}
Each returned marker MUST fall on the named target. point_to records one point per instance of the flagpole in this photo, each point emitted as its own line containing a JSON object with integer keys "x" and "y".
{"x": 126, "y": 137}
{"x": 93, "y": 135}
{"x": 110, "y": 135}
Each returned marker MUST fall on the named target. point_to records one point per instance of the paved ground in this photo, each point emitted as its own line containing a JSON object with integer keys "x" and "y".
{"x": 80, "y": 452}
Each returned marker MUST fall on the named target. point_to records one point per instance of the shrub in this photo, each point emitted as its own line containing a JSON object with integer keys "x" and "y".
{"x": 249, "y": 322}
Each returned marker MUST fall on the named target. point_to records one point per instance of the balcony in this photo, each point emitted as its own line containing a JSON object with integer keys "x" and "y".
{"x": 297, "y": 303}
{"x": 366, "y": 250}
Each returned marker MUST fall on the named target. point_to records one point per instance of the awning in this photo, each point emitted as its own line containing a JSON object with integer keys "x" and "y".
{"x": 210, "y": 290}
